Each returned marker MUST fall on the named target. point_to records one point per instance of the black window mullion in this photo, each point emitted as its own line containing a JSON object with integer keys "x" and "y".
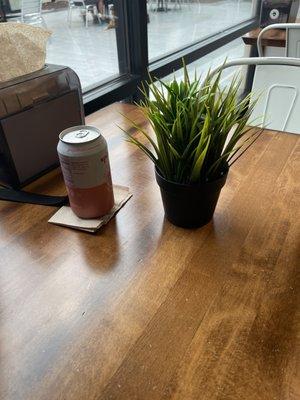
{"x": 137, "y": 40}
{"x": 122, "y": 36}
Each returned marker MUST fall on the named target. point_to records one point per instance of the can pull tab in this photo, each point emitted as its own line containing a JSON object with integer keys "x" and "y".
{"x": 82, "y": 133}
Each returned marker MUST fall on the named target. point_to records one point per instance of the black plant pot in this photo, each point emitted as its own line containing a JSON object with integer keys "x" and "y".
{"x": 190, "y": 206}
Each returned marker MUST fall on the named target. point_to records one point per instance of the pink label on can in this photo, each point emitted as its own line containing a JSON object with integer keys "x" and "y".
{"x": 85, "y": 172}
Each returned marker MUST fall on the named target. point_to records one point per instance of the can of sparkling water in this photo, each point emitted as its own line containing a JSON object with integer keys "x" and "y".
{"x": 83, "y": 156}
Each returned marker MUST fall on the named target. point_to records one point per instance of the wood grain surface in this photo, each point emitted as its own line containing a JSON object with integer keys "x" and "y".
{"x": 145, "y": 310}
{"x": 273, "y": 37}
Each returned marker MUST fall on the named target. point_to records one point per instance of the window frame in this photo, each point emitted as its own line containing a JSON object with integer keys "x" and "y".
{"x": 132, "y": 43}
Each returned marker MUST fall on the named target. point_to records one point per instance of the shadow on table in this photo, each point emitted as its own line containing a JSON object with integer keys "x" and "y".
{"x": 101, "y": 250}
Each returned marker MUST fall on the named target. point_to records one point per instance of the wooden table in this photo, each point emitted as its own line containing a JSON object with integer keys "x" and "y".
{"x": 273, "y": 37}
{"x": 144, "y": 310}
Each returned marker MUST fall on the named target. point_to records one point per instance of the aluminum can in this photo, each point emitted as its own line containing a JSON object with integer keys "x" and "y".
{"x": 83, "y": 156}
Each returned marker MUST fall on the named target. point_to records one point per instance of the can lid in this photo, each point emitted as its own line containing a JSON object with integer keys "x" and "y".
{"x": 79, "y": 134}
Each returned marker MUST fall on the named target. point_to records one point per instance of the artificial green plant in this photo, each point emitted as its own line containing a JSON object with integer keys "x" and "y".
{"x": 199, "y": 128}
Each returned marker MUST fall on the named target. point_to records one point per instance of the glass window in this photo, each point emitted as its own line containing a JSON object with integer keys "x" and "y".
{"x": 90, "y": 50}
{"x": 85, "y": 40}
{"x": 176, "y": 23}
{"x": 232, "y": 50}
{"x": 84, "y": 34}
{"x": 92, "y": 36}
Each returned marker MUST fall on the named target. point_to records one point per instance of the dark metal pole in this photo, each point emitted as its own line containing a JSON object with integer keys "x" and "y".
{"x": 138, "y": 33}
{"x": 121, "y": 36}
{"x": 138, "y": 39}
{"x": 2, "y": 12}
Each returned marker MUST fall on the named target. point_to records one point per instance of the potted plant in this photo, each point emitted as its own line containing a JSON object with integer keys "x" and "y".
{"x": 200, "y": 129}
